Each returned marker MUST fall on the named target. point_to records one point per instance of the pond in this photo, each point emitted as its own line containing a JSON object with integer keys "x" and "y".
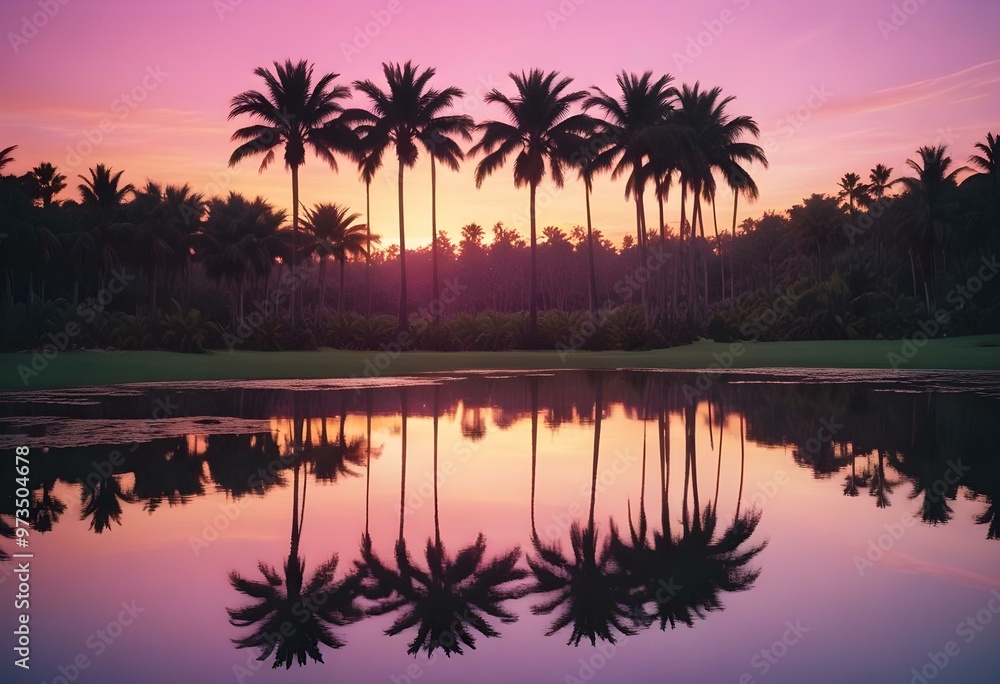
{"x": 787, "y": 526}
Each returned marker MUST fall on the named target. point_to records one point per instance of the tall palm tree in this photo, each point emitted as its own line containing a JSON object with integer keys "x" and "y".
{"x": 335, "y": 232}
{"x": 731, "y": 157}
{"x": 48, "y": 182}
{"x": 930, "y": 189}
{"x": 293, "y": 113}
{"x": 878, "y": 186}
{"x": 635, "y": 124}
{"x": 437, "y": 135}
{"x": 367, "y": 167}
{"x": 586, "y": 159}
{"x": 853, "y": 192}
{"x": 397, "y": 119}
{"x": 541, "y": 130}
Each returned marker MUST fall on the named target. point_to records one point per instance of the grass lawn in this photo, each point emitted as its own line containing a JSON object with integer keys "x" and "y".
{"x": 80, "y": 369}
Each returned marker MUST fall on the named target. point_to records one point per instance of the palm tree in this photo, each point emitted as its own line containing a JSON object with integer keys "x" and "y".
{"x": 290, "y": 615}
{"x": 295, "y": 114}
{"x": 436, "y": 135}
{"x": 853, "y": 192}
{"x": 398, "y": 119}
{"x": 5, "y": 157}
{"x": 48, "y": 182}
{"x": 102, "y": 200}
{"x": 540, "y": 130}
{"x": 367, "y": 167}
{"x": 732, "y": 154}
{"x": 335, "y": 232}
{"x": 987, "y": 162}
{"x": 877, "y": 188}
{"x": 930, "y": 189}
{"x": 585, "y": 159}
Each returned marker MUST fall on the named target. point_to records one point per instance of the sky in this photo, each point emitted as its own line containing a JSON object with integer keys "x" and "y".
{"x": 835, "y": 87}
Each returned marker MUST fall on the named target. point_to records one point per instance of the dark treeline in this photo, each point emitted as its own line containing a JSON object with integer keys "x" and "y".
{"x": 885, "y": 253}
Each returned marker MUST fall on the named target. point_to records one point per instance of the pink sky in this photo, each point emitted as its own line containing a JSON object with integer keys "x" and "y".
{"x": 877, "y": 90}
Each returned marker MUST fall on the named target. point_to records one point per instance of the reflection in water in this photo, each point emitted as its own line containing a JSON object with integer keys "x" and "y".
{"x": 290, "y": 616}
{"x": 102, "y": 502}
{"x": 454, "y": 595}
{"x": 919, "y": 449}
{"x": 589, "y": 591}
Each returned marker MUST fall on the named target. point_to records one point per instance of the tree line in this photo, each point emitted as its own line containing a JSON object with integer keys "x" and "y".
{"x": 873, "y": 258}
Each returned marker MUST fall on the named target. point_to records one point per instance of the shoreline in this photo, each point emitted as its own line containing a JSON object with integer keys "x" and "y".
{"x": 30, "y": 370}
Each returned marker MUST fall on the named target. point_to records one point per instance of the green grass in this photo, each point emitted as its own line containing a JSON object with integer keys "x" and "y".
{"x": 82, "y": 369}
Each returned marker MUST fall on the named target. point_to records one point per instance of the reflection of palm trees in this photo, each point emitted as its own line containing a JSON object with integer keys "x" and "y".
{"x": 244, "y": 464}
{"x": 332, "y": 461}
{"x": 289, "y": 615}
{"x": 102, "y": 503}
{"x": 879, "y": 486}
{"x": 853, "y": 481}
{"x": 454, "y": 596}
{"x": 46, "y": 511}
{"x": 586, "y": 588}
{"x": 677, "y": 578}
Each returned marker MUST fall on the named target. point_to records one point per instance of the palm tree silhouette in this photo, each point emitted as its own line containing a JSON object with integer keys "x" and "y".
{"x": 454, "y": 596}
{"x": 637, "y": 128}
{"x": 290, "y": 616}
{"x": 853, "y": 192}
{"x": 102, "y": 200}
{"x": 368, "y": 165}
{"x": 293, "y": 113}
{"x": 408, "y": 113}
{"x": 931, "y": 188}
{"x": 335, "y": 232}
{"x": 586, "y": 588}
{"x": 436, "y": 135}
{"x": 540, "y": 130}
{"x": 48, "y": 182}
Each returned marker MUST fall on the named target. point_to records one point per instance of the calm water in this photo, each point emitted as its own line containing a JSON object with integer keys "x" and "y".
{"x": 566, "y": 527}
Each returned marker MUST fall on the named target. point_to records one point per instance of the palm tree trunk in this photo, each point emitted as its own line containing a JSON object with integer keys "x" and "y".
{"x": 590, "y": 257}
{"x": 340, "y": 292}
{"x": 718, "y": 245}
{"x": 437, "y": 519}
{"x": 368, "y": 450}
{"x": 296, "y": 292}
{"x": 435, "y": 294}
{"x": 598, "y": 410}
{"x": 534, "y": 451}
{"x": 368, "y": 253}
{"x": 402, "y": 481}
{"x": 322, "y": 286}
{"x": 743, "y": 462}
{"x": 403, "y": 309}
{"x": 533, "y": 303}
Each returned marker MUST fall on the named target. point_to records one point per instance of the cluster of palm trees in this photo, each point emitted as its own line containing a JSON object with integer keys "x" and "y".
{"x": 651, "y": 132}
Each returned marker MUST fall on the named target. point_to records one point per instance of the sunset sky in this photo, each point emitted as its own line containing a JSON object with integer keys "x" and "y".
{"x": 835, "y": 87}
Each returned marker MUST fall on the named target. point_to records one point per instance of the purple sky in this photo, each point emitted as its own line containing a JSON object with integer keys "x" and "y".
{"x": 835, "y": 87}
